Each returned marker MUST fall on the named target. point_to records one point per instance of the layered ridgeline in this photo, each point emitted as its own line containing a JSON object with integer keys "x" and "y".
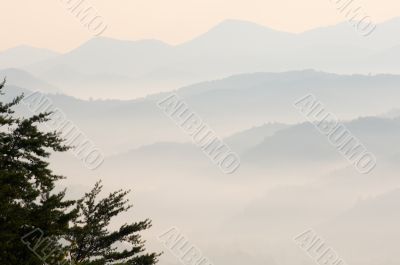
{"x": 228, "y": 106}
{"x": 110, "y": 68}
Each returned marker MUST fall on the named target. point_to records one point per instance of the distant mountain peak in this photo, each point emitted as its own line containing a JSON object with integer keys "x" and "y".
{"x": 236, "y": 25}
{"x": 105, "y": 41}
{"x": 231, "y": 32}
{"x": 23, "y": 79}
{"x": 27, "y": 48}
{"x": 237, "y": 22}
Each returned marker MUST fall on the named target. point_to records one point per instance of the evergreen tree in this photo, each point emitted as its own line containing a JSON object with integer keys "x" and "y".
{"x": 27, "y": 197}
{"x": 34, "y": 219}
{"x": 91, "y": 241}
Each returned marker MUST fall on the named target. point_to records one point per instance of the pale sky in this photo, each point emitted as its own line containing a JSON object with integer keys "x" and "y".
{"x": 47, "y": 23}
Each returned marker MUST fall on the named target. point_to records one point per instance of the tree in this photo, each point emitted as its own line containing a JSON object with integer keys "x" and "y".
{"x": 34, "y": 219}
{"x": 27, "y": 199}
{"x": 92, "y": 243}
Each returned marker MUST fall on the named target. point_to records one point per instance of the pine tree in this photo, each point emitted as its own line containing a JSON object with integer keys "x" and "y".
{"x": 27, "y": 197}
{"x": 93, "y": 244}
{"x": 34, "y": 219}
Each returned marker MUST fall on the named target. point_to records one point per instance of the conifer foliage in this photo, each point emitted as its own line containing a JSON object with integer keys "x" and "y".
{"x": 27, "y": 200}
{"x": 92, "y": 243}
{"x": 30, "y": 206}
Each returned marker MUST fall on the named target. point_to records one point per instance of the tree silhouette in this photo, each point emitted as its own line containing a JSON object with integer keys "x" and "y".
{"x": 34, "y": 219}
{"x": 27, "y": 199}
{"x": 92, "y": 243}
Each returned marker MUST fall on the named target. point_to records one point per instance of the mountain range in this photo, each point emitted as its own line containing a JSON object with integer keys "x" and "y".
{"x": 242, "y": 79}
{"x": 228, "y": 105}
{"x": 110, "y": 68}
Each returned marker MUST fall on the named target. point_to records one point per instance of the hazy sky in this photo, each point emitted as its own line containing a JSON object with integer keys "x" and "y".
{"x": 47, "y": 24}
